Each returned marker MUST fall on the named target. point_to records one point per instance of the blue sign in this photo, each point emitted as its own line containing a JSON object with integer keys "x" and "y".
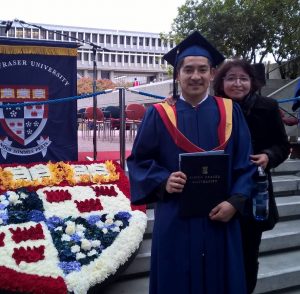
{"x": 36, "y": 71}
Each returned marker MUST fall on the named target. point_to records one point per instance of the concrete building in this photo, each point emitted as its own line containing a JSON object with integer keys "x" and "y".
{"x": 121, "y": 56}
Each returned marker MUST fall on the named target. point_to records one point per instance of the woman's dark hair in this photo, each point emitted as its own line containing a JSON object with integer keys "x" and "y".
{"x": 222, "y": 71}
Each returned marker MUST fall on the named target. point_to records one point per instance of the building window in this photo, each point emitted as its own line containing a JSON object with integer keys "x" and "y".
{"x": 151, "y": 59}
{"x": 126, "y": 58}
{"x": 2, "y": 31}
{"x": 153, "y": 42}
{"x": 113, "y": 58}
{"x": 85, "y": 56}
{"x": 141, "y": 41}
{"x": 28, "y": 33}
{"x": 66, "y": 36}
{"x": 73, "y": 36}
{"x": 35, "y": 33}
{"x": 119, "y": 58}
{"x": 165, "y": 43}
{"x": 79, "y": 56}
{"x": 115, "y": 39}
{"x": 122, "y": 40}
{"x": 80, "y": 36}
{"x": 132, "y": 58}
{"x": 144, "y": 59}
{"x": 157, "y": 59}
{"x": 108, "y": 39}
{"x": 20, "y": 33}
{"x": 106, "y": 57}
{"x": 159, "y": 42}
{"x": 87, "y": 37}
{"x": 58, "y": 35}
{"x": 127, "y": 40}
{"x": 101, "y": 39}
{"x": 147, "y": 41}
{"x": 138, "y": 59}
{"x": 104, "y": 74}
{"x": 11, "y": 32}
{"x": 99, "y": 57}
{"x": 50, "y": 35}
{"x": 134, "y": 41}
{"x": 94, "y": 38}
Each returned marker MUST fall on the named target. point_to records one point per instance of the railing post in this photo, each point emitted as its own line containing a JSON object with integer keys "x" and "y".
{"x": 122, "y": 126}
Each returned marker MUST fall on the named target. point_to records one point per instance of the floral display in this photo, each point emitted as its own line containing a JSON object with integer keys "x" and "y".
{"x": 69, "y": 227}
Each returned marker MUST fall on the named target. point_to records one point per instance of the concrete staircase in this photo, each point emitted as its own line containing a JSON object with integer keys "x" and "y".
{"x": 279, "y": 270}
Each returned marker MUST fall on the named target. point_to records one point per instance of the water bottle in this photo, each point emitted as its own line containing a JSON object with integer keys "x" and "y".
{"x": 261, "y": 196}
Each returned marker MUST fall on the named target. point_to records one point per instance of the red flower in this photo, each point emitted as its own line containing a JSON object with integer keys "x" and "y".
{"x": 88, "y": 205}
{"x": 28, "y": 254}
{"x": 58, "y": 196}
{"x": 32, "y": 233}
{"x": 2, "y": 236}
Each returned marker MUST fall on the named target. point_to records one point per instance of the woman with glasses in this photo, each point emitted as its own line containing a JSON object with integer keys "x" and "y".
{"x": 236, "y": 80}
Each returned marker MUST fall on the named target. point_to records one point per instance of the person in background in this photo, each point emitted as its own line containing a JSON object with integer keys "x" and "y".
{"x": 194, "y": 255}
{"x": 236, "y": 80}
{"x": 296, "y": 104}
{"x": 135, "y": 82}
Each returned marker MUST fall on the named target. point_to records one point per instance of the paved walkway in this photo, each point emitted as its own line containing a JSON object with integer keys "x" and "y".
{"x": 107, "y": 148}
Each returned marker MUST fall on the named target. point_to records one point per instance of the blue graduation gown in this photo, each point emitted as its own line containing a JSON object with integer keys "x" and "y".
{"x": 197, "y": 255}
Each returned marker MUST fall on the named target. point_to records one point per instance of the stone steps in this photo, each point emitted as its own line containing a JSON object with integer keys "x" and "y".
{"x": 279, "y": 270}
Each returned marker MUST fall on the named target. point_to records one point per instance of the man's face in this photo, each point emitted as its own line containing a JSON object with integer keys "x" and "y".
{"x": 194, "y": 77}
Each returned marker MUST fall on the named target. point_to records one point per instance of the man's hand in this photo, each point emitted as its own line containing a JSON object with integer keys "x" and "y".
{"x": 170, "y": 100}
{"x": 222, "y": 212}
{"x": 260, "y": 159}
{"x": 176, "y": 182}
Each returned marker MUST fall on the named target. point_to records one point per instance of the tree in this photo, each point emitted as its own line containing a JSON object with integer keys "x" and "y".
{"x": 85, "y": 85}
{"x": 250, "y": 29}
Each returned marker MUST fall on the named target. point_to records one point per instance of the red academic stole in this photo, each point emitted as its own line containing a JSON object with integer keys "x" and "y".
{"x": 168, "y": 116}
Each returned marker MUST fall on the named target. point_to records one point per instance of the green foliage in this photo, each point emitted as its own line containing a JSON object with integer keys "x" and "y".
{"x": 249, "y": 29}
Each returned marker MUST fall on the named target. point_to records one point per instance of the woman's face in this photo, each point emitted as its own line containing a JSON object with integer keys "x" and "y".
{"x": 237, "y": 84}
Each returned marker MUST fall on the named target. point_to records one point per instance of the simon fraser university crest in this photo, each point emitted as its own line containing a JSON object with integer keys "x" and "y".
{"x": 23, "y": 124}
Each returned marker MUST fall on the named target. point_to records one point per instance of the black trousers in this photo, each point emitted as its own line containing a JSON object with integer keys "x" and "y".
{"x": 251, "y": 238}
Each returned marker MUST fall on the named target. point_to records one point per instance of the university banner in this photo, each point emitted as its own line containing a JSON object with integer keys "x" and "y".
{"x": 34, "y": 71}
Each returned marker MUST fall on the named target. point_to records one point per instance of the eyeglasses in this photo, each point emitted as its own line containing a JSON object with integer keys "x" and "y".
{"x": 243, "y": 80}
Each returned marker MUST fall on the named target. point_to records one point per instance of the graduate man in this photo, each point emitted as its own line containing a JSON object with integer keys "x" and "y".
{"x": 192, "y": 255}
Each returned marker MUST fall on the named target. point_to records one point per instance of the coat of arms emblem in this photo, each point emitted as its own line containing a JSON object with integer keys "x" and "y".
{"x": 23, "y": 124}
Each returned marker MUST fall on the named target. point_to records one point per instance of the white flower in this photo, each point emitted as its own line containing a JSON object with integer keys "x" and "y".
{"x": 80, "y": 228}
{"x": 109, "y": 215}
{"x": 66, "y": 237}
{"x": 104, "y": 230}
{"x": 58, "y": 229}
{"x": 5, "y": 202}
{"x": 23, "y": 195}
{"x": 70, "y": 229}
{"x": 99, "y": 224}
{"x": 12, "y": 197}
{"x": 109, "y": 221}
{"x": 75, "y": 248}
{"x": 80, "y": 255}
{"x": 96, "y": 243}
{"x": 119, "y": 223}
{"x": 80, "y": 234}
{"x": 115, "y": 229}
{"x": 86, "y": 244}
{"x": 92, "y": 252}
{"x": 2, "y": 197}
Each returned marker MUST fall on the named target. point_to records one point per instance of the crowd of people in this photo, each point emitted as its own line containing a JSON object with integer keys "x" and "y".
{"x": 215, "y": 253}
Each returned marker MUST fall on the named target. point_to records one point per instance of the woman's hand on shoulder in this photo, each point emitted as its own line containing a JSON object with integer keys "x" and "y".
{"x": 260, "y": 159}
{"x": 170, "y": 100}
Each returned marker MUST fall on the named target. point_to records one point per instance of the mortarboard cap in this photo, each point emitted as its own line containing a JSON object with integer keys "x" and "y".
{"x": 194, "y": 45}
